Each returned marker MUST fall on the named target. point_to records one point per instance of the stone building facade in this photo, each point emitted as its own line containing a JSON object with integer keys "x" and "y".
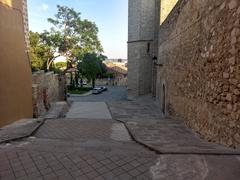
{"x": 140, "y": 42}
{"x": 197, "y": 67}
{"x": 15, "y": 69}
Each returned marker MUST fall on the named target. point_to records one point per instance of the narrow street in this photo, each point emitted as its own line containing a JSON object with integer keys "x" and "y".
{"x": 171, "y": 106}
{"x": 92, "y": 142}
{"x": 87, "y": 144}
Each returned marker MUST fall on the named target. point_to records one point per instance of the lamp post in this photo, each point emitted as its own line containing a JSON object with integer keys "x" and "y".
{"x": 155, "y": 62}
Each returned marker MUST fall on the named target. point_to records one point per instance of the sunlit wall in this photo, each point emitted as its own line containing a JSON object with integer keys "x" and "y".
{"x": 15, "y": 70}
{"x": 166, "y": 8}
{"x": 7, "y": 2}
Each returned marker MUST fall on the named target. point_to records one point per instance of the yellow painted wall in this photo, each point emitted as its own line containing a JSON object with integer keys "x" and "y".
{"x": 15, "y": 70}
{"x": 7, "y": 2}
{"x": 166, "y": 8}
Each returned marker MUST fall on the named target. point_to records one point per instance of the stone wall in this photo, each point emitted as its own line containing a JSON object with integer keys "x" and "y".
{"x": 47, "y": 88}
{"x": 199, "y": 47}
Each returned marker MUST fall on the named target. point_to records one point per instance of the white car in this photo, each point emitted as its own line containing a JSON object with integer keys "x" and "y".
{"x": 96, "y": 90}
{"x": 103, "y": 88}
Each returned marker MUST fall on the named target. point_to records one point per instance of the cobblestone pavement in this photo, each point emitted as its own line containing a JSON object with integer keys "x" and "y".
{"x": 183, "y": 154}
{"x": 135, "y": 110}
{"x": 77, "y": 149}
{"x": 83, "y": 148}
{"x": 172, "y": 136}
{"x": 113, "y": 94}
{"x": 197, "y": 167}
{"x": 147, "y": 125}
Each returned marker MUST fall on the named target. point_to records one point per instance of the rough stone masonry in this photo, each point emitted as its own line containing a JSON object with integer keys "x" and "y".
{"x": 198, "y": 67}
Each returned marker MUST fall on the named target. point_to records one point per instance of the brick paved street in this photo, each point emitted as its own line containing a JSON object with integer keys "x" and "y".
{"x": 140, "y": 109}
{"x": 183, "y": 155}
{"x": 77, "y": 149}
{"x": 97, "y": 148}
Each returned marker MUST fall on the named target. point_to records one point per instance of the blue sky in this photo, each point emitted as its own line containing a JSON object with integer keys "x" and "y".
{"x": 110, "y": 16}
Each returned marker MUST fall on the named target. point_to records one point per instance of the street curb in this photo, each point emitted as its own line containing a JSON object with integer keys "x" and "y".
{"x": 151, "y": 148}
{"x": 131, "y": 134}
{"x": 137, "y": 141}
{"x": 40, "y": 122}
{"x": 81, "y": 95}
{"x": 172, "y": 153}
{"x": 26, "y": 135}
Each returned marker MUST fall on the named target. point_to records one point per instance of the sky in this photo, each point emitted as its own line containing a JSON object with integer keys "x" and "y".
{"x": 110, "y": 16}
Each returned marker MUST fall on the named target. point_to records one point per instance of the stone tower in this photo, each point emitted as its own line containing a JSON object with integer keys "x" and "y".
{"x": 141, "y": 45}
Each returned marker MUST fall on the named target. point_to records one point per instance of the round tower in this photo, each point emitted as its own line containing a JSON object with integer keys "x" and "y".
{"x": 141, "y": 45}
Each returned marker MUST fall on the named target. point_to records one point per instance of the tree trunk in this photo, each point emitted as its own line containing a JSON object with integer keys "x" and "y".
{"x": 93, "y": 83}
{"x": 71, "y": 79}
{"x": 50, "y": 61}
{"x": 81, "y": 82}
{"x": 76, "y": 78}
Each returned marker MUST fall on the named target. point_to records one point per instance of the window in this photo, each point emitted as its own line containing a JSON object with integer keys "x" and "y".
{"x": 148, "y": 48}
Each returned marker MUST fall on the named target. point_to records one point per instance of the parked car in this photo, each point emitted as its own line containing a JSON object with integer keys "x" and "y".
{"x": 103, "y": 88}
{"x": 84, "y": 82}
{"x": 96, "y": 90}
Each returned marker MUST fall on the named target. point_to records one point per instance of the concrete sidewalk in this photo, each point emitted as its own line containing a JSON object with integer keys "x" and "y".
{"x": 89, "y": 110}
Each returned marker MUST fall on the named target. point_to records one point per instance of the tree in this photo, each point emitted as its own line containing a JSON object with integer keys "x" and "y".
{"x": 52, "y": 41}
{"x": 72, "y": 36}
{"x": 61, "y": 65}
{"x": 91, "y": 66}
{"x": 38, "y": 52}
{"x": 103, "y": 66}
{"x": 43, "y": 50}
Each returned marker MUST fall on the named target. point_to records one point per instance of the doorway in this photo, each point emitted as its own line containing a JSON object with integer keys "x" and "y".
{"x": 163, "y": 99}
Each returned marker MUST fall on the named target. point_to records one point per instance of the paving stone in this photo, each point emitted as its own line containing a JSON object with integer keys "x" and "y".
{"x": 174, "y": 138}
{"x": 196, "y": 167}
{"x": 135, "y": 110}
{"x": 89, "y": 110}
{"x": 19, "y": 129}
{"x": 88, "y": 149}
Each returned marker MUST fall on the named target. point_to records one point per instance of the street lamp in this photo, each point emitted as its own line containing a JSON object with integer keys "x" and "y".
{"x": 155, "y": 61}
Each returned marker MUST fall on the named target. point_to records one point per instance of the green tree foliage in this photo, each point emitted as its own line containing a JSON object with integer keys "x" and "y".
{"x": 38, "y": 52}
{"x": 76, "y": 37}
{"x": 70, "y": 36}
{"x": 92, "y": 66}
{"x": 61, "y": 65}
{"x": 42, "y": 50}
